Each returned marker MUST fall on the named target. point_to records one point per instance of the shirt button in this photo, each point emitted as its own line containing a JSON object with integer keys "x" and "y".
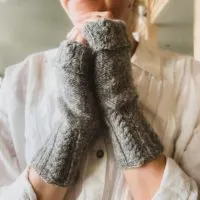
{"x": 100, "y": 154}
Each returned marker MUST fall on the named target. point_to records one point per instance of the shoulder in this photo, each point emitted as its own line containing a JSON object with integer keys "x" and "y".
{"x": 159, "y": 63}
{"x": 33, "y": 61}
{"x": 18, "y": 76}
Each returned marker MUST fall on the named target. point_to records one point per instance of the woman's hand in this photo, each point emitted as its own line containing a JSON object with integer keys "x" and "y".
{"x": 76, "y": 33}
{"x": 135, "y": 143}
{"x": 93, "y": 16}
{"x": 43, "y": 190}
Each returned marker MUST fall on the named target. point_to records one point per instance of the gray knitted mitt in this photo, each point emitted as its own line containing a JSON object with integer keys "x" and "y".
{"x": 58, "y": 160}
{"x": 134, "y": 141}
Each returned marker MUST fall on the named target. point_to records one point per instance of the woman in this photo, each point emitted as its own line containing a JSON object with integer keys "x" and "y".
{"x": 63, "y": 114}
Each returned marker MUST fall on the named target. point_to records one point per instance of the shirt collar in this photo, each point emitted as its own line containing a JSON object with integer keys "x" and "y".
{"x": 148, "y": 58}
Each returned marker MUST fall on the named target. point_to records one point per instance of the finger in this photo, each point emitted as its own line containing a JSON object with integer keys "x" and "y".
{"x": 71, "y": 33}
{"x": 80, "y": 39}
{"x": 74, "y": 35}
{"x": 105, "y": 14}
{"x": 98, "y": 15}
{"x": 82, "y": 23}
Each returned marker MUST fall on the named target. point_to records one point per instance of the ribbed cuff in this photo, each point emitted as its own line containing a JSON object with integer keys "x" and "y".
{"x": 135, "y": 142}
{"x": 106, "y": 34}
{"x": 74, "y": 57}
{"x": 58, "y": 161}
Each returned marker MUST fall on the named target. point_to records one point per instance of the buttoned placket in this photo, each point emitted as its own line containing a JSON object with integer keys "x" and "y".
{"x": 94, "y": 173}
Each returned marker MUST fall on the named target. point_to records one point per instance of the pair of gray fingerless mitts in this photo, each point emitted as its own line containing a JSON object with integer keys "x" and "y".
{"x": 107, "y": 61}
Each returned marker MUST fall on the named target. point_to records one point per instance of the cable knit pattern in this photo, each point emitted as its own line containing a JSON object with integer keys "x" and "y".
{"x": 134, "y": 141}
{"x": 58, "y": 160}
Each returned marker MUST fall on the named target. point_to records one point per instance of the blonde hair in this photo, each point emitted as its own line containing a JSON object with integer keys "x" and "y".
{"x": 139, "y": 18}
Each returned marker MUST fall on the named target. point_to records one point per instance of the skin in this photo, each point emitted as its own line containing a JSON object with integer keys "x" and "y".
{"x": 76, "y": 9}
{"x": 146, "y": 178}
{"x": 80, "y": 11}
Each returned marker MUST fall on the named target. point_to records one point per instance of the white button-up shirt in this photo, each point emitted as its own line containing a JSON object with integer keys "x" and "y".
{"x": 168, "y": 86}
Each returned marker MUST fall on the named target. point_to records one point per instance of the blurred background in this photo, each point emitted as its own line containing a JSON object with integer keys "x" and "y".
{"x": 28, "y": 26}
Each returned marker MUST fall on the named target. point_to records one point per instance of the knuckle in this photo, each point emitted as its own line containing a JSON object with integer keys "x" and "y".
{"x": 108, "y": 14}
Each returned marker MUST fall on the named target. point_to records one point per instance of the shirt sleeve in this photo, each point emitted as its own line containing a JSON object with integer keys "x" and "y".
{"x": 13, "y": 184}
{"x": 20, "y": 189}
{"x": 176, "y": 184}
{"x": 187, "y": 154}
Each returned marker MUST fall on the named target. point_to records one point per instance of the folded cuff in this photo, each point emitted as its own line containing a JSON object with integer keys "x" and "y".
{"x": 106, "y": 34}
